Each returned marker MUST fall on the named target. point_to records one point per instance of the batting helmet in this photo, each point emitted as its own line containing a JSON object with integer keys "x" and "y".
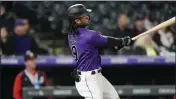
{"x": 77, "y": 10}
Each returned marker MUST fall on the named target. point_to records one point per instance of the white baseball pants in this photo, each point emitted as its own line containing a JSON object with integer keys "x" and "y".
{"x": 95, "y": 87}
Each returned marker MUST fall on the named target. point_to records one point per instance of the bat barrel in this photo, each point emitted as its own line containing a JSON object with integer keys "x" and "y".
{"x": 158, "y": 27}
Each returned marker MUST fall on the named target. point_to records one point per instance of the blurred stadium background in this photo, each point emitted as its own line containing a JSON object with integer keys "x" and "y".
{"x": 150, "y": 61}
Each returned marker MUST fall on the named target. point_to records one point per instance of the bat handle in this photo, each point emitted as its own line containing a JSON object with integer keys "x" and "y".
{"x": 136, "y": 37}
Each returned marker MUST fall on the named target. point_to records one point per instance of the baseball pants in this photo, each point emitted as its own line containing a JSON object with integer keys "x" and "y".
{"x": 95, "y": 86}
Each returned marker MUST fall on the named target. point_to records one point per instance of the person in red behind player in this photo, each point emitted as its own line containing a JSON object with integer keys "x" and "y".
{"x": 29, "y": 77}
{"x": 174, "y": 97}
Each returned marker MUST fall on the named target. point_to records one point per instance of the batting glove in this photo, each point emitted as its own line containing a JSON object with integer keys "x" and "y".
{"x": 127, "y": 41}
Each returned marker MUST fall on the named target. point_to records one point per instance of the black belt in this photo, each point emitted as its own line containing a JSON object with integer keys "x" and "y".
{"x": 92, "y": 72}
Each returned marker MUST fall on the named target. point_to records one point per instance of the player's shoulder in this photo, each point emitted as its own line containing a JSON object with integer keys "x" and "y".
{"x": 91, "y": 31}
{"x": 91, "y": 34}
{"x": 86, "y": 31}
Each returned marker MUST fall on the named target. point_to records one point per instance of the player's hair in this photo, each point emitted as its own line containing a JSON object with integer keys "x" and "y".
{"x": 71, "y": 28}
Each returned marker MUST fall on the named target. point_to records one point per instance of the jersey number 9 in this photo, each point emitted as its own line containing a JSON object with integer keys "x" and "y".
{"x": 74, "y": 53}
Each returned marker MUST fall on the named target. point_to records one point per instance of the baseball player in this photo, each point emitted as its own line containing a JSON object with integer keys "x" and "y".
{"x": 84, "y": 44}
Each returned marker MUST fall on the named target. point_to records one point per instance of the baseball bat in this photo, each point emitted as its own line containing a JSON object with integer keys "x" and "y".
{"x": 158, "y": 27}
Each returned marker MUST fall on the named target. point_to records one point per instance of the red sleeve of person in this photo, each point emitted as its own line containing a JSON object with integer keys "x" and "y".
{"x": 29, "y": 77}
{"x": 174, "y": 97}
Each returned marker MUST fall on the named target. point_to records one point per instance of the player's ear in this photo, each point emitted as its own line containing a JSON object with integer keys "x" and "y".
{"x": 77, "y": 21}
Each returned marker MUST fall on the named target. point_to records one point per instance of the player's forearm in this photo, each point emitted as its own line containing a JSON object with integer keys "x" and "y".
{"x": 119, "y": 42}
{"x": 112, "y": 41}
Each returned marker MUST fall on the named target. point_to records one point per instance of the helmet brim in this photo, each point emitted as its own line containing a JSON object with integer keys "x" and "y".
{"x": 88, "y": 11}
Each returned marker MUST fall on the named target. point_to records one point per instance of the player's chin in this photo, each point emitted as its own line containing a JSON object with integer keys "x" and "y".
{"x": 87, "y": 23}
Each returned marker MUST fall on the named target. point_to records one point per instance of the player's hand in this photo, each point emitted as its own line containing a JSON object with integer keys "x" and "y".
{"x": 127, "y": 41}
